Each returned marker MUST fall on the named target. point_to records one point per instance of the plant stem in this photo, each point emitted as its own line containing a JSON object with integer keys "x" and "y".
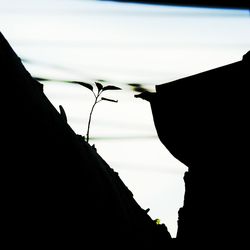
{"x": 90, "y": 116}
{"x": 91, "y": 111}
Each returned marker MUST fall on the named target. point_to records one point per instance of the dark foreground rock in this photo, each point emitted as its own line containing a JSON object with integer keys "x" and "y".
{"x": 57, "y": 191}
{"x": 203, "y": 120}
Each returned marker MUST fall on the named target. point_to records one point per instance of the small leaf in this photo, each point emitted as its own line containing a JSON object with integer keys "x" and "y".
{"x": 84, "y": 84}
{"x": 101, "y": 80}
{"x": 157, "y": 221}
{"x": 107, "y": 99}
{"x": 41, "y": 79}
{"x": 111, "y": 87}
{"x": 99, "y": 86}
{"x": 137, "y": 87}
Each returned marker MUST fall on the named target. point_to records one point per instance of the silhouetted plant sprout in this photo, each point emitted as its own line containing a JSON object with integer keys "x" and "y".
{"x": 97, "y": 94}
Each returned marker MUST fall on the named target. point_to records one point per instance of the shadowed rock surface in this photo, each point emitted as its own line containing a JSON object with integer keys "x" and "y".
{"x": 57, "y": 191}
{"x": 203, "y": 120}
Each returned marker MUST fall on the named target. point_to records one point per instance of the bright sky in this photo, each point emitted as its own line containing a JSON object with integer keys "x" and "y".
{"x": 124, "y": 43}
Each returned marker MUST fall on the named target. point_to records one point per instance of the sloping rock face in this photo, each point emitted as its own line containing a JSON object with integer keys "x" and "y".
{"x": 203, "y": 121}
{"x": 57, "y": 190}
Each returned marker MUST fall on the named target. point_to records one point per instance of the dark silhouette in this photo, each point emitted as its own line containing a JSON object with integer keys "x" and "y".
{"x": 203, "y": 120}
{"x": 242, "y": 4}
{"x": 56, "y": 190}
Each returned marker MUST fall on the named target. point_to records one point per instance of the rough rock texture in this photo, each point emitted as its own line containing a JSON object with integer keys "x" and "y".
{"x": 57, "y": 191}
